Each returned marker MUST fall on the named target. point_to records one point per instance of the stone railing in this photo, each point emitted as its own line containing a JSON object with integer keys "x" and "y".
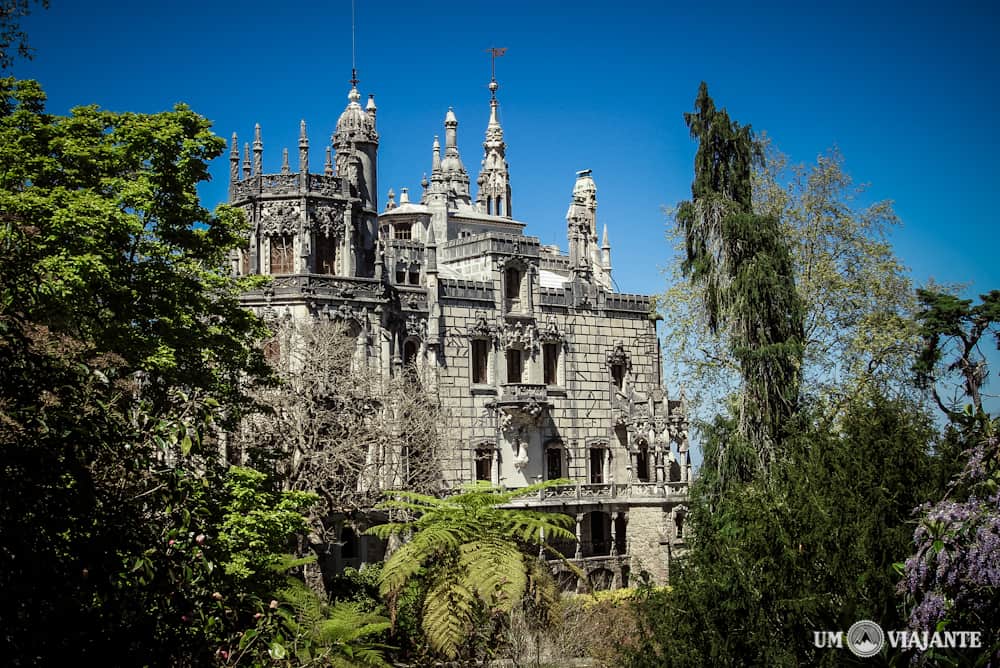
{"x": 523, "y": 393}
{"x": 607, "y": 491}
{"x": 616, "y": 301}
{"x": 287, "y": 184}
{"x": 461, "y": 289}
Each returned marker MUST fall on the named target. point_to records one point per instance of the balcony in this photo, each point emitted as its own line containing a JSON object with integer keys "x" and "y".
{"x": 523, "y": 402}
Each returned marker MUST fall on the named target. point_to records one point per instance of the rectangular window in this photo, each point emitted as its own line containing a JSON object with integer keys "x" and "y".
{"x": 597, "y": 456}
{"x": 401, "y": 276}
{"x": 512, "y": 284}
{"x": 480, "y": 360}
{"x": 282, "y": 255}
{"x": 550, "y": 355}
{"x": 642, "y": 464}
{"x": 484, "y": 464}
{"x": 553, "y": 463}
{"x": 513, "y": 365}
{"x": 401, "y": 231}
{"x": 414, "y": 277}
{"x": 326, "y": 255}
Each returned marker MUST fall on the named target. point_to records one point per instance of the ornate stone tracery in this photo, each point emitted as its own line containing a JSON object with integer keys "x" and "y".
{"x": 279, "y": 218}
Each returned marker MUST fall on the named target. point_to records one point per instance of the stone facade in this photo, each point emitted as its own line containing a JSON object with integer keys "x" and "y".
{"x": 546, "y": 371}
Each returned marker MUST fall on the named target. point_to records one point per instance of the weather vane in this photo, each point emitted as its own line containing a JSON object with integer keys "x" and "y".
{"x": 494, "y": 54}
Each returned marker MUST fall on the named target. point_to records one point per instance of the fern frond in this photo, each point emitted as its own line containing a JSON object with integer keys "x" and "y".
{"x": 495, "y": 571}
{"x": 448, "y": 615}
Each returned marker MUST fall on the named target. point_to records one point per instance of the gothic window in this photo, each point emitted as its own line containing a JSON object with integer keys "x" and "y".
{"x": 642, "y": 463}
{"x": 618, "y": 375}
{"x": 514, "y": 366}
{"x": 484, "y": 464}
{"x": 326, "y": 254}
{"x": 550, "y": 358}
{"x": 402, "y": 231}
{"x": 553, "y": 462}
{"x": 679, "y": 518}
{"x": 480, "y": 361}
{"x": 597, "y": 457}
{"x": 512, "y": 283}
{"x": 400, "y": 274}
{"x": 414, "y": 275}
{"x": 282, "y": 255}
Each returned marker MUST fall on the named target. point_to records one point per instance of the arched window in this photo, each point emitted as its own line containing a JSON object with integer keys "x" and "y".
{"x": 515, "y": 365}
{"x": 410, "y": 350}
{"x": 550, "y": 359}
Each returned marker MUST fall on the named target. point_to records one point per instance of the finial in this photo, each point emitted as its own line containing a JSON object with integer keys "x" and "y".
{"x": 284, "y": 161}
{"x": 423, "y": 182}
{"x": 256, "y": 134}
{"x": 392, "y": 200}
{"x": 436, "y": 162}
{"x": 494, "y": 54}
{"x": 604, "y": 240}
{"x": 328, "y": 165}
{"x": 302, "y": 132}
{"x": 404, "y": 195}
{"x": 370, "y": 107}
{"x": 246, "y": 159}
{"x": 235, "y": 152}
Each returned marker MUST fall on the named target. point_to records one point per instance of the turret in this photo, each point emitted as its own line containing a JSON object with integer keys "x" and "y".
{"x": 234, "y": 162}
{"x": 581, "y": 221}
{"x": 452, "y": 169}
{"x": 356, "y": 143}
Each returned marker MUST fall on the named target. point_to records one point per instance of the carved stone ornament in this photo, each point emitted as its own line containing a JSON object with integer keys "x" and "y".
{"x": 481, "y": 328}
{"x": 549, "y": 332}
{"x": 618, "y": 356}
{"x": 342, "y": 313}
{"x": 518, "y": 335}
{"x": 416, "y": 327}
{"x": 279, "y": 218}
{"x": 327, "y": 221}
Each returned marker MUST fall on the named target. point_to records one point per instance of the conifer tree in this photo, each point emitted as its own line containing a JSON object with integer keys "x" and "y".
{"x": 745, "y": 266}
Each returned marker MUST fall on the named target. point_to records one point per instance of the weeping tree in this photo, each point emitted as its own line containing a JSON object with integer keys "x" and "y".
{"x": 743, "y": 265}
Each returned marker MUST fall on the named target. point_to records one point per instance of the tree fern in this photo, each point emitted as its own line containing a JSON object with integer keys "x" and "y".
{"x": 469, "y": 547}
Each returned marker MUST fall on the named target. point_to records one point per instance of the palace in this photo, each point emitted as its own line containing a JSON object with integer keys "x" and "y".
{"x": 546, "y": 371}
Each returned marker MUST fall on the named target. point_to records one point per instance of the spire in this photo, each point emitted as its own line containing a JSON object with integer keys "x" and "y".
{"x": 328, "y": 164}
{"x": 436, "y": 160}
{"x": 258, "y": 151}
{"x": 494, "y": 177}
{"x": 246, "y": 160}
{"x": 303, "y": 148}
{"x": 604, "y": 238}
{"x": 234, "y": 161}
{"x": 392, "y": 201}
{"x": 370, "y": 108}
{"x": 284, "y": 161}
{"x": 451, "y": 165}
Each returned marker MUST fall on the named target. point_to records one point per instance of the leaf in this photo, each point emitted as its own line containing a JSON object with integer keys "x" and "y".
{"x": 277, "y": 651}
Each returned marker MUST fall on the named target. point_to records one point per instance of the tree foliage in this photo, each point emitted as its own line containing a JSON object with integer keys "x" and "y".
{"x": 123, "y": 353}
{"x": 468, "y": 552}
{"x": 810, "y": 548}
{"x": 857, "y": 299}
{"x": 744, "y": 270}
{"x": 13, "y": 40}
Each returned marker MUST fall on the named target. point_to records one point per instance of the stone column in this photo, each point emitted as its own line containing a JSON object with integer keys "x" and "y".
{"x": 579, "y": 536}
{"x": 614, "y": 541}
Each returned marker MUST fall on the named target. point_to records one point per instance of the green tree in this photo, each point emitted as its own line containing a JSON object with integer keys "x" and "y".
{"x": 123, "y": 350}
{"x": 810, "y": 548}
{"x": 469, "y": 553}
{"x": 743, "y": 265}
{"x": 12, "y": 38}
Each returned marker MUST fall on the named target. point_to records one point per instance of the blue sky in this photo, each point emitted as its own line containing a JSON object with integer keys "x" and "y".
{"x": 908, "y": 91}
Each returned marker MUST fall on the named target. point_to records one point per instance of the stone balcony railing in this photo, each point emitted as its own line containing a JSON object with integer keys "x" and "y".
{"x": 522, "y": 393}
{"x": 609, "y": 491}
